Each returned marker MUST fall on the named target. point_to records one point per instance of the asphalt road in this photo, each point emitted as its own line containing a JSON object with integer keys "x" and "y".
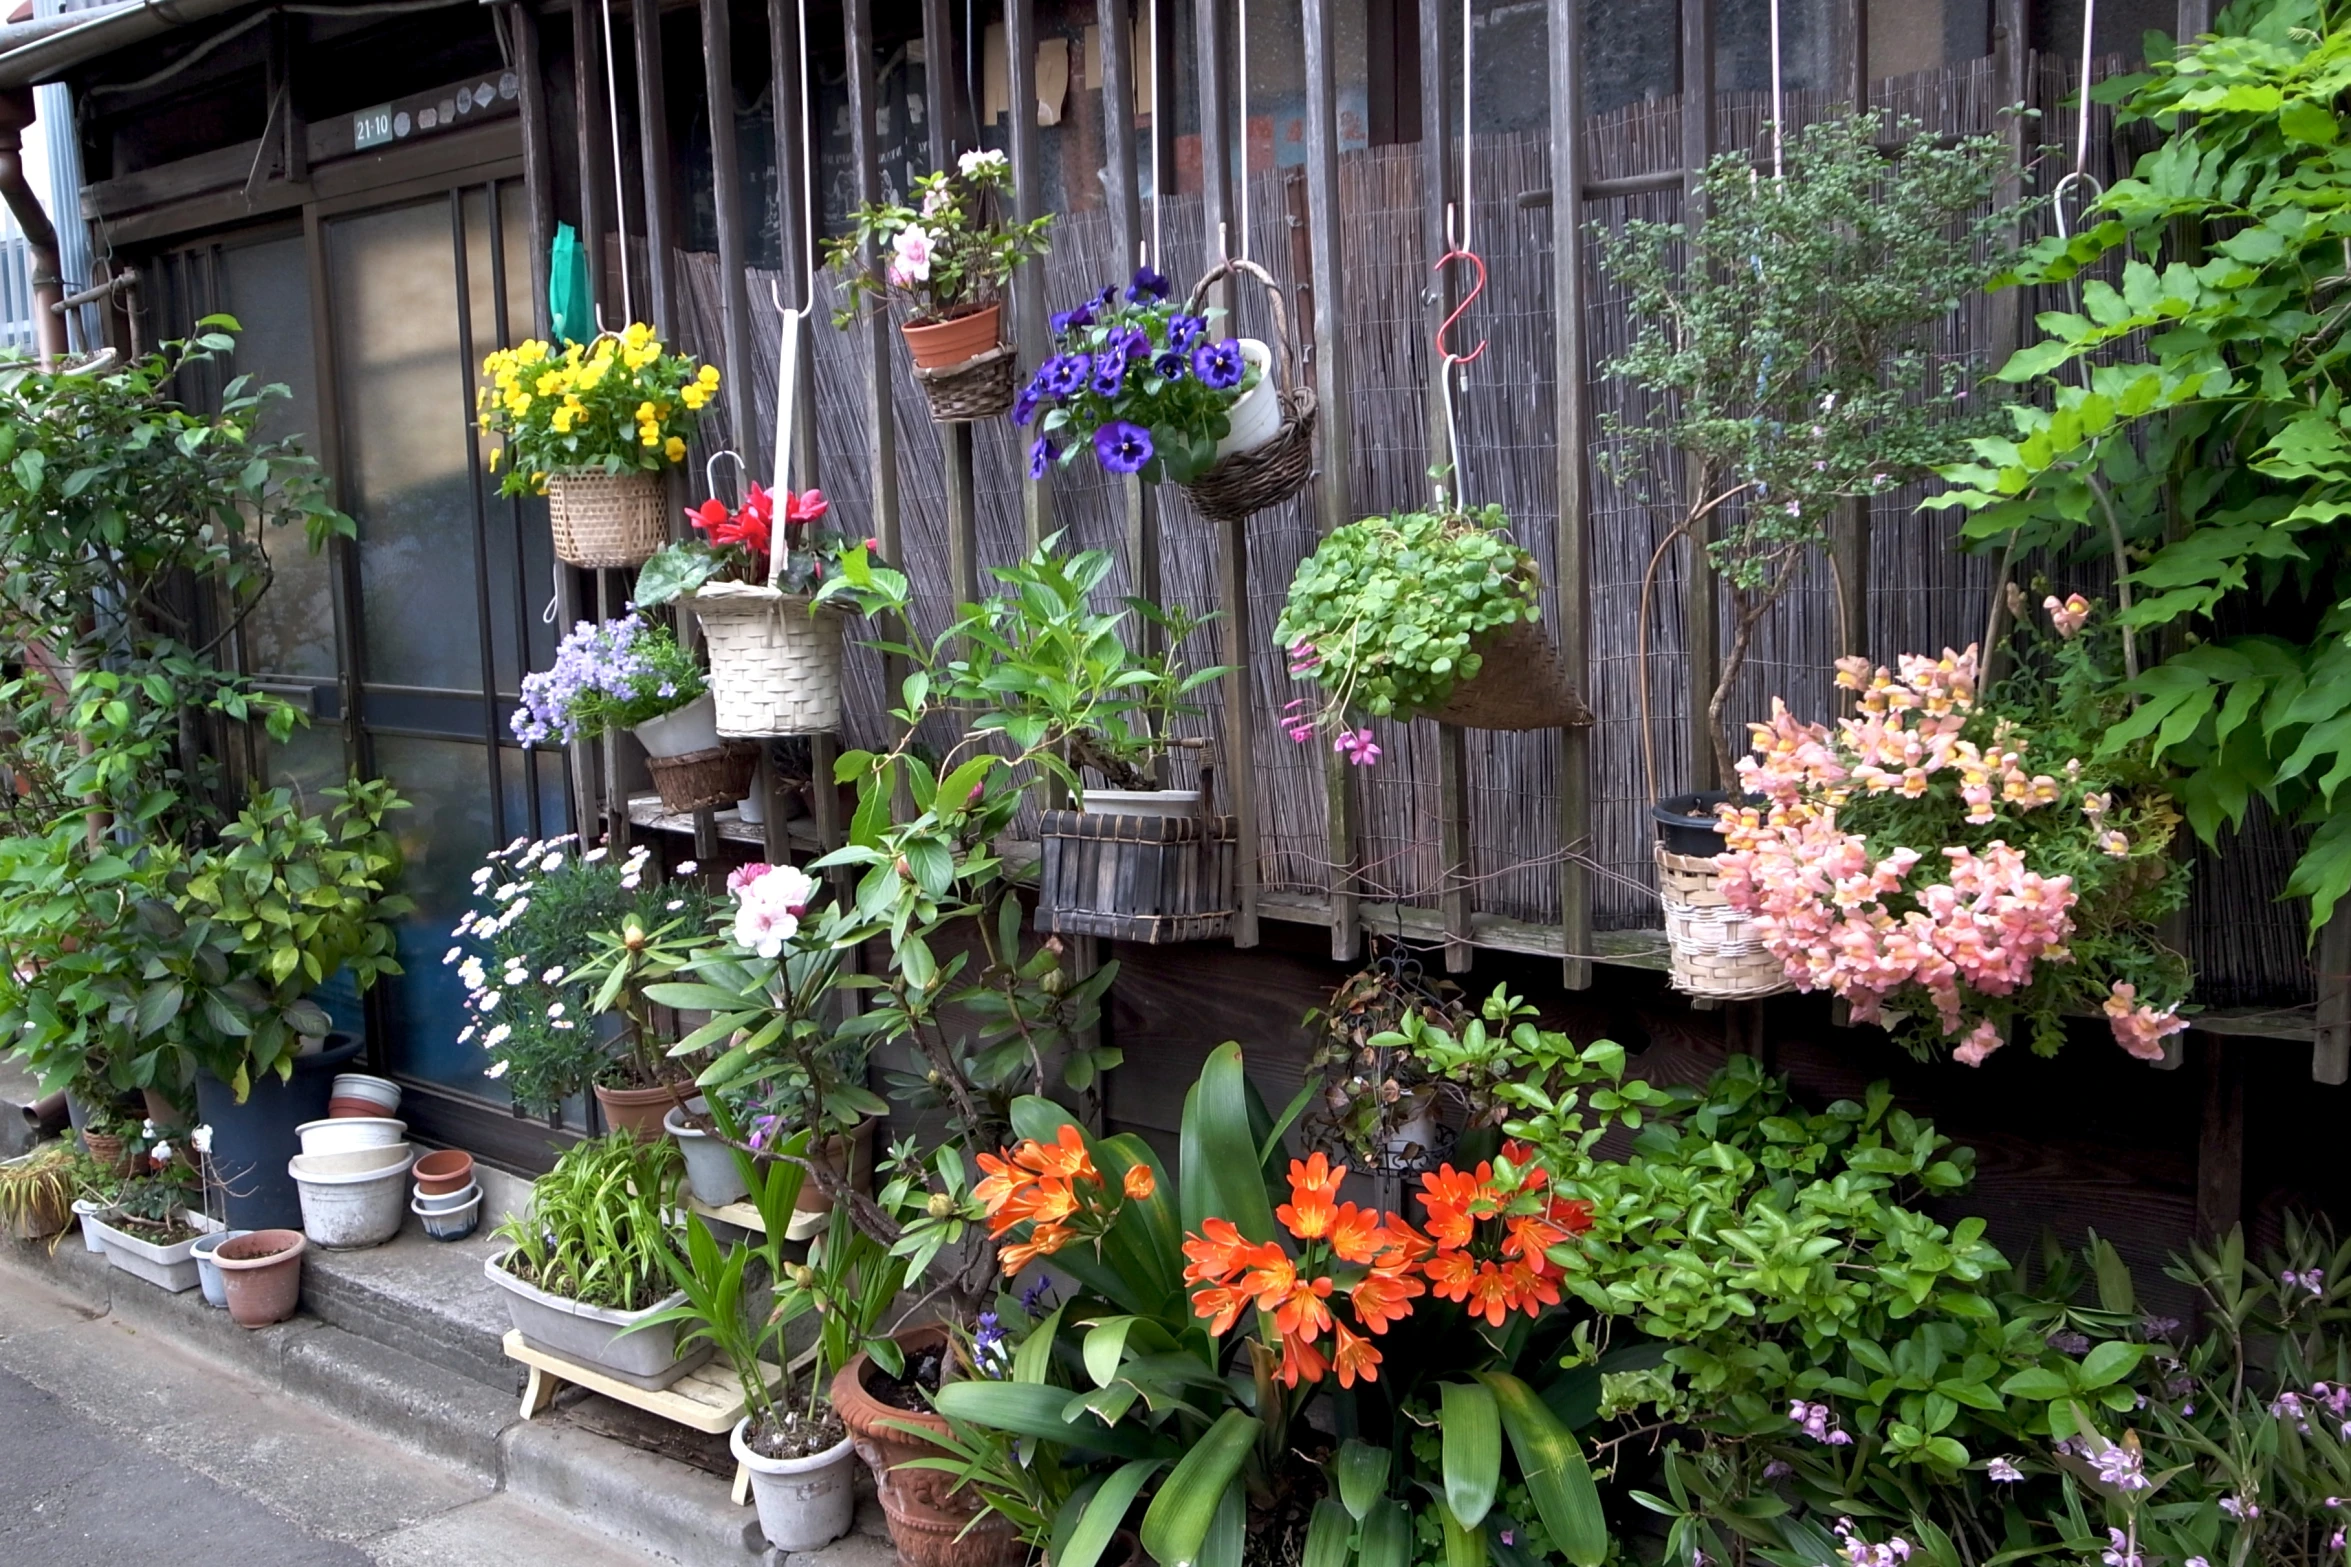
{"x": 79, "y": 1495}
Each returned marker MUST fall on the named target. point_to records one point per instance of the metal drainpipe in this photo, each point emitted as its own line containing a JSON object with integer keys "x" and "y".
{"x": 16, "y": 113}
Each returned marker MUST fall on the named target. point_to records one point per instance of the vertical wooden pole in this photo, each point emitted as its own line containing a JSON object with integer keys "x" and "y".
{"x": 1127, "y": 240}
{"x": 795, "y": 243}
{"x": 538, "y": 169}
{"x": 938, "y": 35}
{"x": 2330, "y": 1051}
{"x": 1334, "y": 505}
{"x": 881, "y": 423}
{"x": 1028, "y": 178}
{"x": 2220, "y": 1142}
{"x": 1849, "y": 535}
{"x": 726, "y": 178}
{"x": 1857, "y": 54}
{"x": 1573, "y": 627}
{"x": 2194, "y": 18}
{"x": 1212, "y": 70}
{"x": 2011, "y": 52}
{"x": 587, "y": 86}
{"x": 1701, "y": 628}
{"x": 653, "y": 151}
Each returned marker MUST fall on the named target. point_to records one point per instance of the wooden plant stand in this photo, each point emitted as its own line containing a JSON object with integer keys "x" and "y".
{"x": 745, "y": 1216}
{"x": 707, "y": 1399}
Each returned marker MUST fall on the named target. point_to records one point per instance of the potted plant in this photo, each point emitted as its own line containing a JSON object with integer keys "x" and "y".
{"x": 775, "y": 655}
{"x": 1374, "y": 1106}
{"x": 584, "y": 1264}
{"x": 631, "y": 673}
{"x": 37, "y": 1192}
{"x": 95, "y": 1187}
{"x": 287, "y": 899}
{"x": 946, "y": 260}
{"x": 1960, "y": 862}
{"x": 150, "y": 1231}
{"x": 547, "y": 932}
{"x": 591, "y": 426}
{"x": 1429, "y": 614}
{"x": 262, "y": 1272}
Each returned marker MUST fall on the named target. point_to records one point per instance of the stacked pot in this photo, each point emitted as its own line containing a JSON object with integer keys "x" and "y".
{"x": 350, "y": 1174}
{"x": 448, "y": 1199}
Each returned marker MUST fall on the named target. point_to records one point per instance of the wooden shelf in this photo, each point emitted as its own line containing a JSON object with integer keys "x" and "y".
{"x": 645, "y": 811}
{"x": 706, "y": 1399}
{"x": 744, "y": 1216}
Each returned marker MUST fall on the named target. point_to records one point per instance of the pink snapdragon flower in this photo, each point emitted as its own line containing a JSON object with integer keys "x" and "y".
{"x": 768, "y": 908}
{"x": 2139, "y": 1028}
{"x": 2069, "y": 616}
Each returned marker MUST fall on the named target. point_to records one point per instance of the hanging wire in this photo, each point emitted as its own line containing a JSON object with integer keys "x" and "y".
{"x": 1457, "y": 248}
{"x": 1241, "y": 89}
{"x": 1779, "y": 107}
{"x": 1158, "y": 256}
{"x": 620, "y": 194}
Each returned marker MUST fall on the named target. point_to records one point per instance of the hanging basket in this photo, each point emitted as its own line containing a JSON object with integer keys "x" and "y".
{"x": 606, "y": 519}
{"x": 1152, "y": 879}
{"x": 775, "y": 661}
{"x": 1520, "y": 684}
{"x": 717, "y": 777}
{"x": 1248, "y": 482}
{"x": 1717, "y": 951}
{"x": 978, "y": 388}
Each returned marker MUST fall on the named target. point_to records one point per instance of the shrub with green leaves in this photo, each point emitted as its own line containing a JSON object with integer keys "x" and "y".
{"x": 1386, "y": 614}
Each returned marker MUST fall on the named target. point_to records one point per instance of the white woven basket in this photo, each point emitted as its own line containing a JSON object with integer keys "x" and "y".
{"x": 1717, "y": 951}
{"x": 775, "y": 661}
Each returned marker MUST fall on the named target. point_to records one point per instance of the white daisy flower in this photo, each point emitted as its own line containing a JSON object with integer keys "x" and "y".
{"x": 553, "y": 976}
{"x": 552, "y": 863}
{"x": 201, "y": 1139}
{"x": 495, "y": 1069}
{"x": 497, "y": 1036}
{"x": 451, "y": 956}
{"x": 489, "y": 1001}
{"x": 688, "y": 867}
{"x": 554, "y": 1009}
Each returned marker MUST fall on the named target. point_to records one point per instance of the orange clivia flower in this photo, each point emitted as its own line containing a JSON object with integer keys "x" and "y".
{"x": 1381, "y": 1298}
{"x": 1052, "y": 1202}
{"x": 1001, "y": 1182}
{"x": 1066, "y": 1157}
{"x": 1455, "y": 1202}
{"x": 1571, "y": 1214}
{"x": 1222, "y": 1305}
{"x": 1314, "y": 1188}
{"x": 1217, "y": 1253}
{"x": 1450, "y": 1274}
{"x": 1302, "y": 1311}
{"x": 1300, "y": 1359}
{"x": 1355, "y": 1357}
{"x": 1530, "y": 1287}
{"x": 1271, "y": 1276}
{"x": 1490, "y": 1294}
{"x": 1530, "y": 1235}
{"x": 1355, "y": 1234}
{"x": 1140, "y": 1183}
{"x": 1043, "y": 1241}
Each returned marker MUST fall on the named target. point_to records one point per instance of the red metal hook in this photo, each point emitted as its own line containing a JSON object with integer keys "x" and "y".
{"x": 1477, "y": 288}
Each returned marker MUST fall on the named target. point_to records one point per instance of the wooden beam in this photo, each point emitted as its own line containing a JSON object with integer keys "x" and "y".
{"x": 594, "y": 144}
{"x": 1028, "y": 179}
{"x": 963, "y": 548}
{"x": 653, "y": 152}
{"x": 2220, "y": 1143}
{"x": 726, "y": 181}
{"x": 1128, "y": 242}
{"x": 2012, "y": 22}
{"x": 538, "y": 171}
{"x": 2330, "y": 1051}
{"x": 1572, "y": 626}
{"x": 1701, "y": 626}
{"x": 1334, "y": 503}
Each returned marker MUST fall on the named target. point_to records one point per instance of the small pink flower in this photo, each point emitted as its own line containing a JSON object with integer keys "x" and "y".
{"x": 1981, "y": 1042}
{"x": 744, "y": 875}
{"x": 2068, "y": 617}
{"x": 1358, "y": 746}
{"x": 913, "y": 253}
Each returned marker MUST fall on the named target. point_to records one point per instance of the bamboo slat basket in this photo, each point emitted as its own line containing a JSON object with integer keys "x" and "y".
{"x": 1520, "y": 684}
{"x": 606, "y": 519}
{"x": 1152, "y": 879}
{"x": 1717, "y": 951}
{"x": 775, "y": 661}
{"x": 717, "y": 777}
{"x": 1246, "y": 483}
{"x": 979, "y": 388}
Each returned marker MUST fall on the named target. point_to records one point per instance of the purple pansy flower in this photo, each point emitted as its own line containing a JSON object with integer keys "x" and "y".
{"x": 1110, "y": 368}
{"x": 1040, "y": 457}
{"x": 1147, "y": 283}
{"x": 1077, "y": 320}
{"x": 1219, "y": 365}
{"x": 1064, "y": 374}
{"x": 1122, "y": 447}
{"x": 1169, "y": 366}
{"x": 1184, "y": 331}
{"x": 1024, "y": 407}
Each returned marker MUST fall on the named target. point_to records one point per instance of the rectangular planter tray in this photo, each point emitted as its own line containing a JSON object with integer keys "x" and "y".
{"x": 590, "y": 1335}
{"x": 170, "y": 1268}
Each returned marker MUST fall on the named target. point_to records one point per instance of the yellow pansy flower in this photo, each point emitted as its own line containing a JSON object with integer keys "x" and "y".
{"x": 495, "y": 453}
{"x": 674, "y": 449}
{"x": 648, "y": 435}
{"x": 693, "y": 396}
{"x": 562, "y": 420}
{"x": 708, "y": 377}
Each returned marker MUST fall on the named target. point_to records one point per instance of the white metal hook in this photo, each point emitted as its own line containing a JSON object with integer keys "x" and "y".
{"x": 710, "y": 468}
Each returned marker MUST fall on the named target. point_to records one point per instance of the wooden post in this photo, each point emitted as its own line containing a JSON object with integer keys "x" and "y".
{"x": 1701, "y": 625}
{"x": 726, "y": 179}
{"x": 2220, "y": 1142}
{"x": 1573, "y": 625}
{"x": 1127, "y": 241}
{"x": 955, "y": 440}
{"x": 1028, "y": 283}
{"x": 881, "y": 424}
{"x": 1849, "y": 534}
{"x": 653, "y": 151}
{"x": 1334, "y": 505}
{"x": 2011, "y": 48}
{"x": 785, "y": 72}
{"x": 1213, "y": 72}
{"x": 2330, "y": 1051}
{"x": 538, "y": 172}
{"x": 587, "y": 86}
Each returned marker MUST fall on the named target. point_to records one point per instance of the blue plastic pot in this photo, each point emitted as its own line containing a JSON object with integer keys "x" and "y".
{"x": 251, "y": 1142}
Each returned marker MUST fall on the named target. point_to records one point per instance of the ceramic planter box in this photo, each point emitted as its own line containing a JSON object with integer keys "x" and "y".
{"x": 592, "y": 1335}
{"x": 170, "y": 1268}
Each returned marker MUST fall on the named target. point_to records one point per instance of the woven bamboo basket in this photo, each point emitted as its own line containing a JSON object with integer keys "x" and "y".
{"x": 716, "y": 777}
{"x": 1520, "y": 684}
{"x": 1248, "y": 482}
{"x": 978, "y": 388}
{"x": 1153, "y": 879}
{"x": 1717, "y": 951}
{"x": 606, "y": 519}
{"x": 775, "y": 661}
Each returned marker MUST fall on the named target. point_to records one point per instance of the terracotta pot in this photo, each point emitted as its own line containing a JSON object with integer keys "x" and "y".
{"x": 951, "y": 342}
{"x": 928, "y": 1518}
{"x": 443, "y": 1171}
{"x": 851, "y": 1156}
{"x": 106, "y": 1148}
{"x": 639, "y": 1110}
{"x": 262, "y": 1273}
{"x": 345, "y": 1109}
{"x": 160, "y": 1110}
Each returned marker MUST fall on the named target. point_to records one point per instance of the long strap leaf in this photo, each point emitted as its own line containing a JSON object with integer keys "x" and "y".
{"x": 1555, "y": 1472}
{"x": 1177, "y": 1521}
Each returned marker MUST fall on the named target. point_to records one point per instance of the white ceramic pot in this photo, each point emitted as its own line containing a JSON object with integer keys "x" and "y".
{"x": 803, "y": 1503}
{"x": 350, "y": 1134}
{"x": 691, "y": 728}
{"x": 170, "y": 1267}
{"x": 1159, "y": 803}
{"x": 1257, "y": 417}
{"x": 216, "y": 1293}
{"x": 347, "y": 1204}
{"x": 751, "y": 810}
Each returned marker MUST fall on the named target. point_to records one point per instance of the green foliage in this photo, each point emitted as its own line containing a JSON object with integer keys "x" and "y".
{"x": 599, "y": 1226}
{"x": 2187, "y": 420}
{"x": 1387, "y": 612}
{"x": 1789, "y": 341}
{"x": 968, "y": 248}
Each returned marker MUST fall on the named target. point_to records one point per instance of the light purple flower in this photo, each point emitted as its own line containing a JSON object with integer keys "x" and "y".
{"x": 2003, "y": 1470}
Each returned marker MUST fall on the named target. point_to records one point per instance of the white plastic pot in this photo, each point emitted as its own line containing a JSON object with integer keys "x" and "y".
{"x": 88, "y": 1211}
{"x": 170, "y": 1267}
{"x": 216, "y": 1293}
{"x": 375, "y": 1090}
{"x": 691, "y": 728}
{"x": 1156, "y": 803}
{"x": 710, "y": 1163}
{"x": 447, "y": 1202}
{"x": 751, "y": 810}
{"x": 344, "y": 1209}
{"x": 350, "y": 1134}
{"x": 359, "y": 1161}
{"x": 803, "y": 1503}
{"x": 1257, "y": 417}
{"x": 450, "y": 1224}
{"x": 597, "y": 1336}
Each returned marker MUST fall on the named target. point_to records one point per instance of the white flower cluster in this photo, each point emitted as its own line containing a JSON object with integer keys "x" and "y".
{"x": 769, "y": 901}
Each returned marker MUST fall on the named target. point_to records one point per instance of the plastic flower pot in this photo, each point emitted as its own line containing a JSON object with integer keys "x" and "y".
{"x": 445, "y": 1202}
{"x": 637, "y": 1111}
{"x": 251, "y": 1142}
{"x": 87, "y": 1211}
{"x": 381, "y": 1094}
{"x": 1155, "y": 803}
{"x": 931, "y": 1523}
{"x": 710, "y": 1164}
{"x": 594, "y": 1335}
{"x": 263, "y": 1272}
{"x": 443, "y": 1171}
{"x": 171, "y": 1268}
{"x": 803, "y": 1503}
{"x": 1257, "y": 417}
{"x": 452, "y": 1223}
{"x": 349, "y": 1134}
{"x": 955, "y": 341}
{"x": 691, "y": 728}
{"x": 207, "y": 1271}
{"x": 346, "y": 1204}
{"x": 1686, "y": 824}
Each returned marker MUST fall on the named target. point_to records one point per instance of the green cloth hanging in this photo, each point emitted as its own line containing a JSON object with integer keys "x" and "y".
{"x": 568, "y": 305}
